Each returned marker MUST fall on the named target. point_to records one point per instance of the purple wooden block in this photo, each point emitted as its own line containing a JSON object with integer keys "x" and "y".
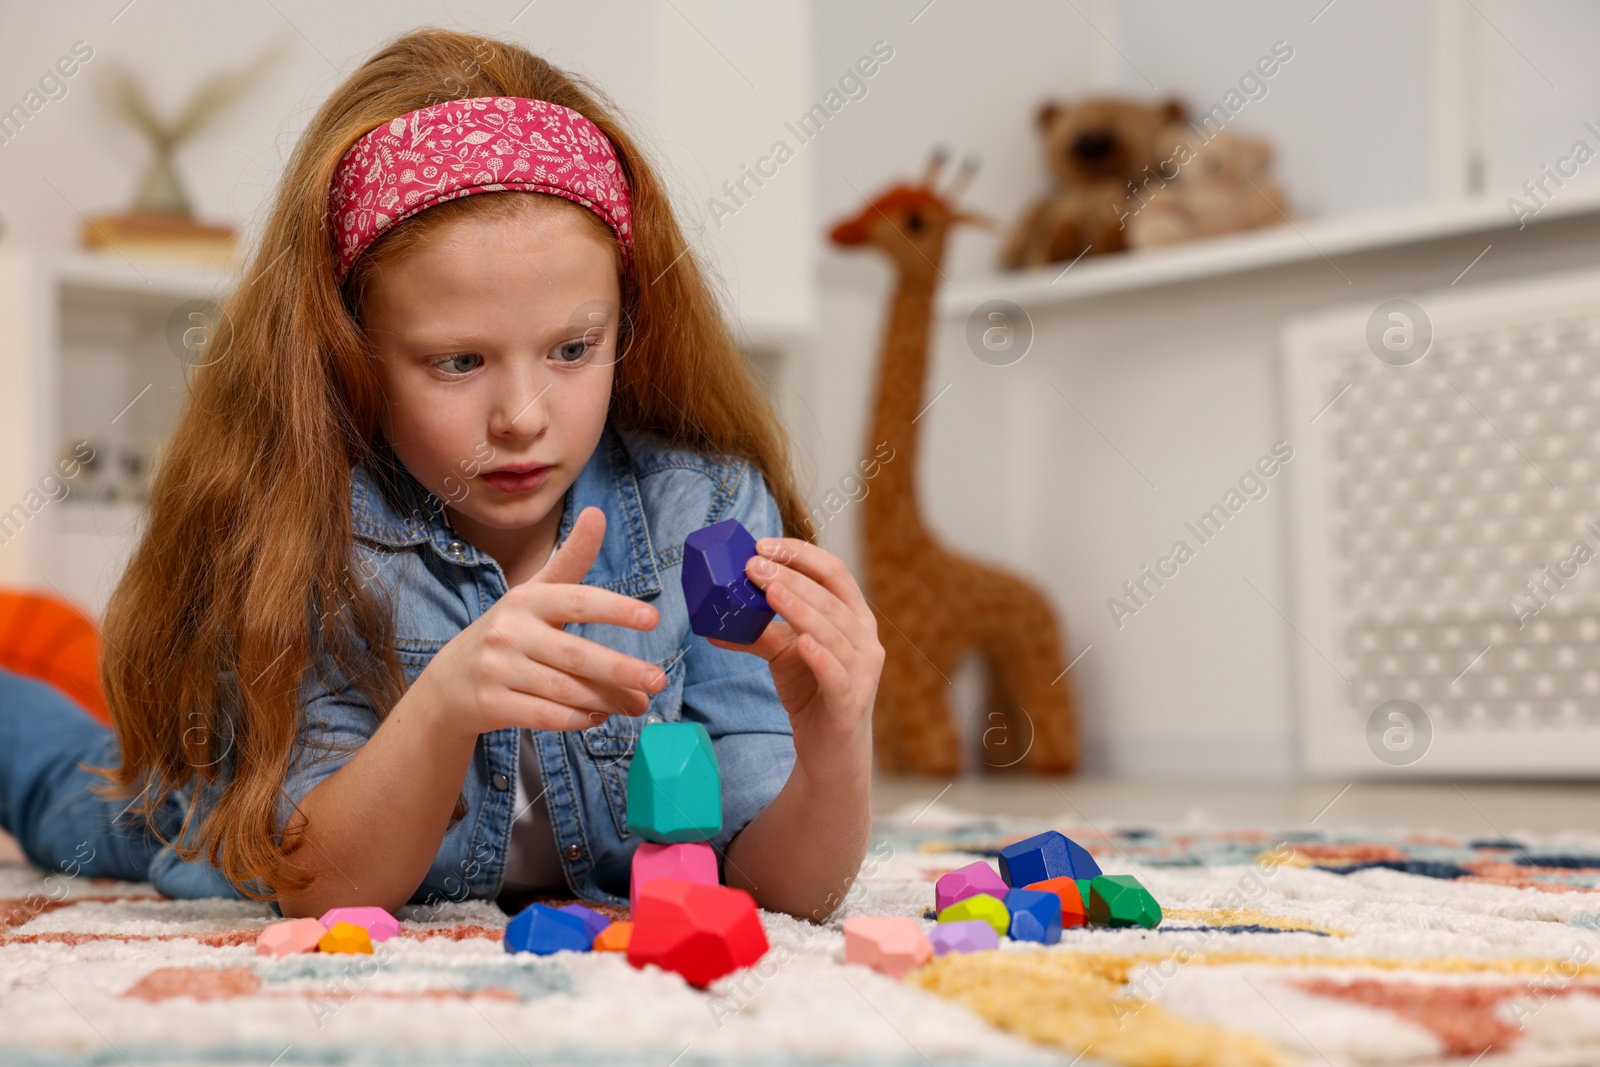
{"x": 722, "y": 601}
{"x": 968, "y": 881}
{"x": 968, "y": 935}
{"x": 593, "y": 921}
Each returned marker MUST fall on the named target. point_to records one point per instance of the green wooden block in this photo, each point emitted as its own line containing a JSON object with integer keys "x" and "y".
{"x": 674, "y": 786}
{"x": 1083, "y": 890}
{"x": 990, "y": 909}
{"x": 1119, "y": 900}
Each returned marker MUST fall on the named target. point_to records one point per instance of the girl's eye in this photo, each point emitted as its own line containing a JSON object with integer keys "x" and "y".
{"x": 572, "y": 351}
{"x": 453, "y": 365}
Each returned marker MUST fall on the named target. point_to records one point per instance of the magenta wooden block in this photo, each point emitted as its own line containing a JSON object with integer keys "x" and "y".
{"x": 379, "y": 924}
{"x": 964, "y": 935}
{"x": 968, "y": 881}
{"x": 686, "y": 861}
{"x": 289, "y": 937}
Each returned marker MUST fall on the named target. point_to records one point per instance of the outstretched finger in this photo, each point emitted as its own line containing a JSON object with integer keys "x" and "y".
{"x": 573, "y": 557}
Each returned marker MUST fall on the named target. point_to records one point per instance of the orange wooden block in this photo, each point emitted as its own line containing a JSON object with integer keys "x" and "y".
{"x": 614, "y": 938}
{"x": 346, "y": 937}
{"x": 1074, "y": 909}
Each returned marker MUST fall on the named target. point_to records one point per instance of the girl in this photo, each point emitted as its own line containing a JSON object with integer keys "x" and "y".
{"x": 347, "y": 663}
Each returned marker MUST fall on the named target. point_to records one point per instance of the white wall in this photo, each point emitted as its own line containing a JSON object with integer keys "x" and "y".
{"x": 701, "y": 82}
{"x": 1345, "y": 112}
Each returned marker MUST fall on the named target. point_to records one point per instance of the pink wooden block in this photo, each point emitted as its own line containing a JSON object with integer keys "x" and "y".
{"x": 687, "y": 861}
{"x": 968, "y": 881}
{"x": 891, "y": 945}
{"x": 289, "y": 937}
{"x": 379, "y": 924}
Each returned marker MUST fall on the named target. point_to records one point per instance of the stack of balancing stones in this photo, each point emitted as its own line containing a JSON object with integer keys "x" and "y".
{"x": 1046, "y": 883}
{"x": 684, "y": 920}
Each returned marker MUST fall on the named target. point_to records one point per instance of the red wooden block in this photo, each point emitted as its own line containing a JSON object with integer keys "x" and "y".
{"x": 699, "y": 931}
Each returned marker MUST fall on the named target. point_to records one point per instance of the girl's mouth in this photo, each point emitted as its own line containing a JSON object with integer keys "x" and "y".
{"x": 513, "y": 480}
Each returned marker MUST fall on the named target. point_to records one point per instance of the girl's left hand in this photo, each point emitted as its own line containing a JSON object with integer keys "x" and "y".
{"x": 824, "y": 652}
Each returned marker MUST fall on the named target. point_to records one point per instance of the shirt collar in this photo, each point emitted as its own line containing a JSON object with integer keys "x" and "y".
{"x": 390, "y": 507}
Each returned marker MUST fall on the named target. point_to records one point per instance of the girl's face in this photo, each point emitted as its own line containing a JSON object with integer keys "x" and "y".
{"x": 498, "y": 337}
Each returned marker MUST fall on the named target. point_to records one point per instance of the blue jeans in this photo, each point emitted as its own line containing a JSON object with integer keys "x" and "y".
{"x": 45, "y": 802}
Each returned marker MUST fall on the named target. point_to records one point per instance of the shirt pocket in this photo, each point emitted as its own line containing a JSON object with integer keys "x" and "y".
{"x": 415, "y": 653}
{"x": 605, "y": 751}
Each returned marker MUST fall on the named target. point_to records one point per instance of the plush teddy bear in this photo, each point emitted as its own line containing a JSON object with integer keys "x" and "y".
{"x": 1208, "y": 184}
{"x": 1099, "y": 151}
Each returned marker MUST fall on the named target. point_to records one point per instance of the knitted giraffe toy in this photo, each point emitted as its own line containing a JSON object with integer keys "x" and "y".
{"x": 934, "y": 606}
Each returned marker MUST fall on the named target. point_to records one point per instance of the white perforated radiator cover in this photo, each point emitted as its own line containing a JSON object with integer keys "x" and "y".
{"x": 1445, "y": 530}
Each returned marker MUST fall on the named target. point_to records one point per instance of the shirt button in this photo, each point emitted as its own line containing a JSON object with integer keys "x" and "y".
{"x": 499, "y": 781}
{"x": 456, "y": 549}
{"x": 572, "y": 853}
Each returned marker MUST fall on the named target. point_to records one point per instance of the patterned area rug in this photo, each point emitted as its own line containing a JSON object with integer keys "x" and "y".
{"x": 1276, "y": 948}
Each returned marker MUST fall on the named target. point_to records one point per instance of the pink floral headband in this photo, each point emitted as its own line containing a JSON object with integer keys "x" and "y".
{"x": 485, "y": 144}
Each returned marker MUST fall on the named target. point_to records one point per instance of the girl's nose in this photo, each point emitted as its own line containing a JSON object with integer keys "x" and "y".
{"x": 521, "y": 411}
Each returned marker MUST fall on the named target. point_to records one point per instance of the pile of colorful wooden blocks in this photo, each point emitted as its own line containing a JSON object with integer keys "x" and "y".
{"x": 684, "y": 920}
{"x": 339, "y": 930}
{"x": 1045, "y": 883}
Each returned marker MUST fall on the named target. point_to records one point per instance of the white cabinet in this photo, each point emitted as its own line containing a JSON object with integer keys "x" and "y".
{"x": 91, "y": 350}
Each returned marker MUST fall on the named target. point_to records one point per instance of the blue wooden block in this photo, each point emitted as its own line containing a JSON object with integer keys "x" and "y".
{"x": 1035, "y": 916}
{"x": 1051, "y": 854}
{"x": 593, "y": 921}
{"x": 722, "y": 601}
{"x": 542, "y": 929}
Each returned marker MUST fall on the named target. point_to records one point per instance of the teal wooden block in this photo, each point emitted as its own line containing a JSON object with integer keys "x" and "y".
{"x": 674, "y": 786}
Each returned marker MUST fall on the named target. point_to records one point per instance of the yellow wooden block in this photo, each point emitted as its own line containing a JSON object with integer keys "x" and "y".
{"x": 346, "y": 937}
{"x": 614, "y": 938}
{"x": 990, "y": 909}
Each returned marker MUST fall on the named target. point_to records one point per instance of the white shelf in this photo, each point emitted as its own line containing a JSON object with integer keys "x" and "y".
{"x": 110, "y": 273}
{"x": 84, "y": 338}
{"x": 1301, "y": 242}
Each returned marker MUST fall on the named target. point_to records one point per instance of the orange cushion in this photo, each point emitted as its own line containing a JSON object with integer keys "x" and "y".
{"x": 45, "y": 637}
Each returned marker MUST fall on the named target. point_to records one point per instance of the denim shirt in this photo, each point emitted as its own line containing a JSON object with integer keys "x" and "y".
{"x": 653, "y": 496}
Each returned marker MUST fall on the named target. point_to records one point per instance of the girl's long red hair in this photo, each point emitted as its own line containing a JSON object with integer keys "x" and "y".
{"x": 244, "y": 566}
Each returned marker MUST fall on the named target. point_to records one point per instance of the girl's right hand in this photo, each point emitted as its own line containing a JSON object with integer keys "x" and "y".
{"x": 515, "y": 666}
